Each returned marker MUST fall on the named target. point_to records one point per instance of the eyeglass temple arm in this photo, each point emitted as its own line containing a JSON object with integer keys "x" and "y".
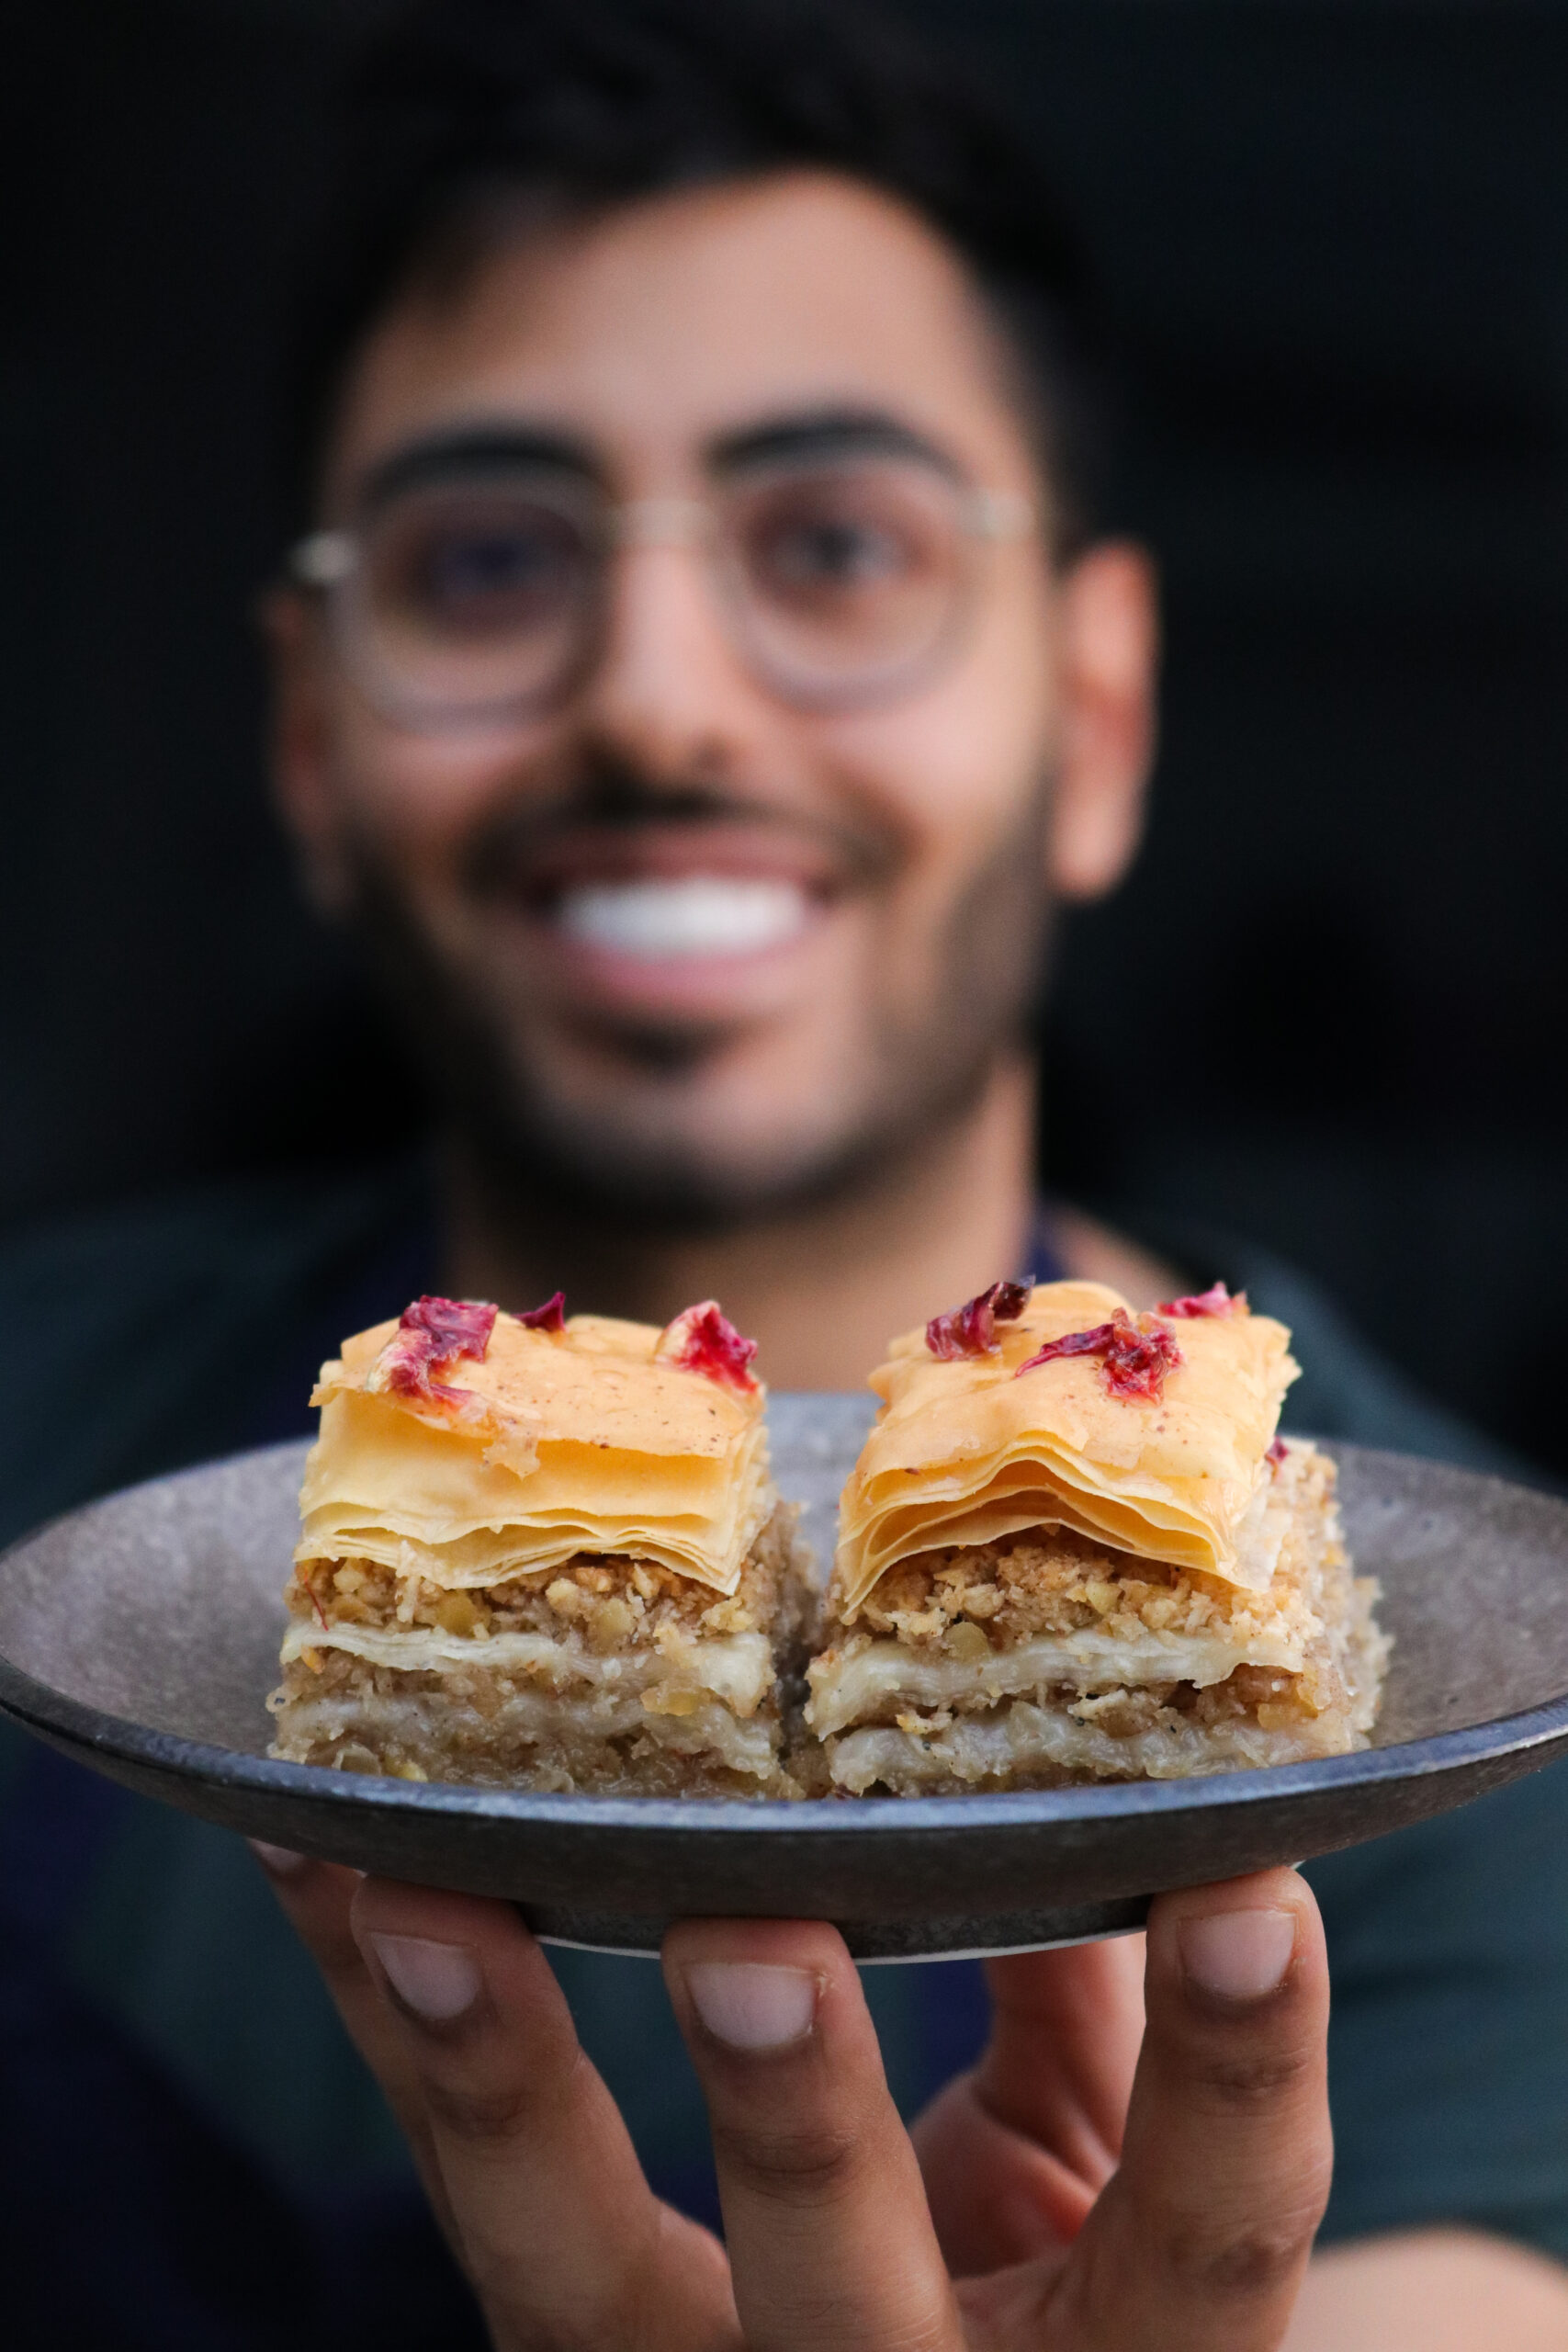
{"x": 322, "y": 558}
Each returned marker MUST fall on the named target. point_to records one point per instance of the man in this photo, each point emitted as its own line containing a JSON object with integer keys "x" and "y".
{"x": 699, "y": 679}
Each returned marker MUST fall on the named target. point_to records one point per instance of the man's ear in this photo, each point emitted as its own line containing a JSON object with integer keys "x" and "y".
{"x": 301, "y": 783}
{"x": 1110, "y": 665}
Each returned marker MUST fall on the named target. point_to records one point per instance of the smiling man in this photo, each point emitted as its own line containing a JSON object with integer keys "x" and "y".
{"x": 702, "y": 674}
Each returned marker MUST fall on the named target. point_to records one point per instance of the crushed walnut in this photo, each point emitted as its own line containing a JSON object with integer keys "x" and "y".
{"x": 610, "y": 1601}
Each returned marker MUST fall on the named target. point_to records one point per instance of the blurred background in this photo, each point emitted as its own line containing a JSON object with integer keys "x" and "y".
{"x": 1330, "y": 1009}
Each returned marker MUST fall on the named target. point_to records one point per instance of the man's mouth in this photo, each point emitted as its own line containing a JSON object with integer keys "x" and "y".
{"x": 713, "y": 914}
{"x": 692, "y": 906}
{"x": 662, "y": 919}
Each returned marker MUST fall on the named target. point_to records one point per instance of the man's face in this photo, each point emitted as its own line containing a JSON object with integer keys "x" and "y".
{"x": 679, "y": 940}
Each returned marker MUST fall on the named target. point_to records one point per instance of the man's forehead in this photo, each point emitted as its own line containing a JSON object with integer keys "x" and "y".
{"x": 712, "y": 321}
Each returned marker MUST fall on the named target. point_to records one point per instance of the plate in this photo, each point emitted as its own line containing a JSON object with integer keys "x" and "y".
{"x": 140, "y": 1635}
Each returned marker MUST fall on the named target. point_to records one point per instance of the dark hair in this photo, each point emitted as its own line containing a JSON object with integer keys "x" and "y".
{"x": 577, "y": 105}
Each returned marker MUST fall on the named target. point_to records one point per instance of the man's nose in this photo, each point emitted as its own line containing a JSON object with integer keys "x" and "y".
{"x": 668, "y": 691}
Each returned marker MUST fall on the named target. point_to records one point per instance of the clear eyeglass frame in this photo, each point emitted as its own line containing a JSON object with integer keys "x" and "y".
{"x": 331, "y": 563}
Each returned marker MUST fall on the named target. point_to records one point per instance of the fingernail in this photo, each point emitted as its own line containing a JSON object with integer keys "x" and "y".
{"x": 279, "y": 1862}
{"x": 751, "y": 2006}
{"x": 437, "y": 1981}
{"x": 1238, "y": 1955}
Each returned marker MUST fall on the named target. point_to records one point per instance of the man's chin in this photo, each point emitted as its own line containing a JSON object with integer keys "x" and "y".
{"x": 684, "y": 1133}
{"x": 638, "y": 1183}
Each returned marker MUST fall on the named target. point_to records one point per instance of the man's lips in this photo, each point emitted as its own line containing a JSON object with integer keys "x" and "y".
{"x": 645, "y": 851}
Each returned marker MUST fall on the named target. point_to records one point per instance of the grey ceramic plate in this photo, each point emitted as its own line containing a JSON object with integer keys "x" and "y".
{"x": 140, "y": 1635}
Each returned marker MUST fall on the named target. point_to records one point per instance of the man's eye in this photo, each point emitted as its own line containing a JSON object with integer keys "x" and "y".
{"x": 513, "y": 563}
{"x": 833, "y": 552}
{"x": 509, "y": 573}
{"x": 479, "y": 567}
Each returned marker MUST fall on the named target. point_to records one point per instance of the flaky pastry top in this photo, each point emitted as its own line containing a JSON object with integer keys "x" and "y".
{"x": 590, "y": 1436}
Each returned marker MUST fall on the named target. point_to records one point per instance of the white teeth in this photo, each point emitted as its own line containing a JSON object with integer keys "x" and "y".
{"x": 700, "y": 915}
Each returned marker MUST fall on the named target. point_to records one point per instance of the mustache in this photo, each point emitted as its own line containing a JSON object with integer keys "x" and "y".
{"x": 614, "y": 797}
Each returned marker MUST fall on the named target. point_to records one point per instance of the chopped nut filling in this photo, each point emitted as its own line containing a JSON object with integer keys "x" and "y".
{"x": 611, "y": 1600}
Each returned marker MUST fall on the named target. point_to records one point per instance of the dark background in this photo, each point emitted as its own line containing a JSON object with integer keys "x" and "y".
{"x": 1330, "y": 1007}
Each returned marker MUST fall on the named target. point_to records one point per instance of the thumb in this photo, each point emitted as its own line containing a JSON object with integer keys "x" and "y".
{"x": 1200, "y": 2241}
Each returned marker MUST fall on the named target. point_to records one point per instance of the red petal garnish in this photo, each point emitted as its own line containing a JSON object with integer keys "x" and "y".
{"x": 1216, "y": 1300}
{"x": 1136, "y": 1356}
{"x": 431, "y": 1334}
{"x": 703, "y": 1340}
{"x": 971, "y": 1330}
{"x": 1277, "y": 1451}
{"x": 551, "y": 1317}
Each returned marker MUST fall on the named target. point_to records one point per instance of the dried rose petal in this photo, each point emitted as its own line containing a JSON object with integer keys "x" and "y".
{"x": 970, "y": 1330}
{"x": 1277, "y": 1451}
{"x": 431, "y": 1334}
{"x": 1136, "y": 1356}
{"x": 1216, "y": 1300}
{"x": 703, "y": 1340}
{"x": 551, "y": 1317}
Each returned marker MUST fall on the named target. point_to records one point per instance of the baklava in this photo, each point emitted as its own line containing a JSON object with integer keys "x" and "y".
{"x": 546, "y": 1554}
{"x": 1074, "y": 1548}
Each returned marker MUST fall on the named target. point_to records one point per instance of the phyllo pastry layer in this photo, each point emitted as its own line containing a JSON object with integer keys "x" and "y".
{"x": 544, "y": 1552}
{"x": 1074, "y": 1548}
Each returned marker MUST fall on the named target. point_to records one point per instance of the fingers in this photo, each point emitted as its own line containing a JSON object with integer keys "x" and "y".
{"x": 1200, "y": 2241}
{"x": 560, "y": 2232}
{"x": 318, "y": 1899}
{"x": 1015, "y": 2153}
{"x": 831, "y": 2243}
{"x": 523, "y": 2153}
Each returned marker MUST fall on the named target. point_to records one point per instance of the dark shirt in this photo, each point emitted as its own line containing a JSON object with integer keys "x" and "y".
{"x": 205, "y": 2161}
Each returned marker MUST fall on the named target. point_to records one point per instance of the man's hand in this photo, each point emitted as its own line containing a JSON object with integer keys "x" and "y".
{"x": 1070, "y": 2218}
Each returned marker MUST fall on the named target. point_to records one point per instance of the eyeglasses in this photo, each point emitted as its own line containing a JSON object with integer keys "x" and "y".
{"x": 485, "y": 597}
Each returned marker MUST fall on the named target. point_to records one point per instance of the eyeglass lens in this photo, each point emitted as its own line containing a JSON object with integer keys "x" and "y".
{"x": 489, "y": 594}
{"x": 478, "y": 594}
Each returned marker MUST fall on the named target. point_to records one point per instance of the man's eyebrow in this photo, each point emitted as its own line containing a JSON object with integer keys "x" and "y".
{"x": 826, "y": 433}
{"x": 470, "y": 449}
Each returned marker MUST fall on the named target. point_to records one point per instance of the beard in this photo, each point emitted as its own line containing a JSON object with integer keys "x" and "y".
{"x": 636, "y": 1159}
